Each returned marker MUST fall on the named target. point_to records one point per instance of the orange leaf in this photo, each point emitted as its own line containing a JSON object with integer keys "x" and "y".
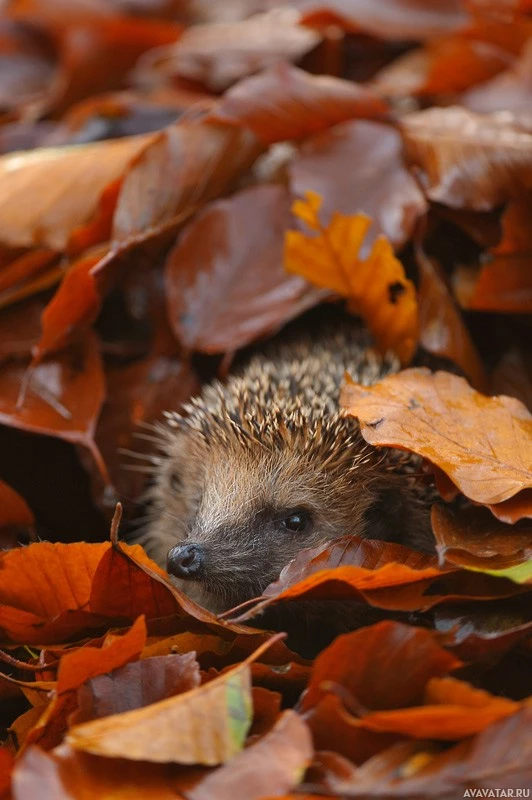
{"x": 376, "y": 287}
{"x": 13, "y": 508}
{"x": 482, "y": 443}
{"x": 287, "y": 103}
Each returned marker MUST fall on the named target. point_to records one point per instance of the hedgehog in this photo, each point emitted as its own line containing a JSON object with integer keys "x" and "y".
{"x": 252, "y": 471}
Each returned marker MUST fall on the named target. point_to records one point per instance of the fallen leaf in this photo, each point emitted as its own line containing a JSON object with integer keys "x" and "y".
{"x": 472, "y": 537}
{"x": 354, "y": 551}
{"x": 482, "y": 445}
{"x": 376, "y": 287}
{"x": 468, "y": 160}
{"x": 208, "y": 724}
{"x": 65, "y": 185}
{"x": 286, "y": 103}
{"x": 137, "y": 394}
{"x": 272, "y": 766}
{"x": 383, "y": 189}
{"x": 406, "y": 658}
{"x": 443, "y": 331}
{"x": 225, "y": 281}
{"x": 217, "y": 55}
{"x": 136, "y": 685}
{"x": 65, "y": 771}
{"x": 13, "y": 508}
{"x": 399, "y": 19}
{"x": 508, "y": 91}
{"x": 499, "y": 754}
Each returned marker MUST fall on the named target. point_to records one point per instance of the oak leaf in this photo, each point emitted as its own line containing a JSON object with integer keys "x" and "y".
{"x": 482, "y": 443}
{"x": 376, "y": 287}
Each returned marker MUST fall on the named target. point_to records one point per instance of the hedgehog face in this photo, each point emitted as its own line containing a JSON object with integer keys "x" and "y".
{"x": 229, "y": 514}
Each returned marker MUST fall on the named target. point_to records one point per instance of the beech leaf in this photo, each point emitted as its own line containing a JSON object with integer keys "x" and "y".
{"x": 482, "y": 443}
{"x": 208, "y": 724}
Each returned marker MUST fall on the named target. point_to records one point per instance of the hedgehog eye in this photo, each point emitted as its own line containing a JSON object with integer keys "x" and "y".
{"x": 175, "y": 481}
{"x": 297, "y": 522}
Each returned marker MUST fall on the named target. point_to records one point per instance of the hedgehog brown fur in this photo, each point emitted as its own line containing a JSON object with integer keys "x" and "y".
{"x": 267, "y": 464}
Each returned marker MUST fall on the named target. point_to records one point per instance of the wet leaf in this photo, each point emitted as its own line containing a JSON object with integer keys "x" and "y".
{"x": 438, "y": 415}
{"x": 287, "y": 103}
{"x": 384, "y": 189}
{"x": 376, "y": 287}
{"x": 208, "y": 724}
{"x": 226, "y": 284}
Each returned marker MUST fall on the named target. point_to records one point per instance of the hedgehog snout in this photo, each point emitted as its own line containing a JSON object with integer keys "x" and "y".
{"x": 186, "y": 561}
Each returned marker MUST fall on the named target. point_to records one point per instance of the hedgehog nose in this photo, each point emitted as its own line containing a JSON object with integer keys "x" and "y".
{"x": 185, "y": 561}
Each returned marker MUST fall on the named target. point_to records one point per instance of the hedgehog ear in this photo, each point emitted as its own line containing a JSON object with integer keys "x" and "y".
{"x": 395, "y": 517}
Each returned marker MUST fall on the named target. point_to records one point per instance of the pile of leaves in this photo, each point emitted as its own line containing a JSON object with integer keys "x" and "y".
{"x": 179, "y": 181}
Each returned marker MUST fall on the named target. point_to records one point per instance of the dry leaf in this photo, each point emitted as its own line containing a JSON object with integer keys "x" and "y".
{"x": 376, "y": 287}
{"x": 206, "y": 725}
{"x": 482, "y": 443}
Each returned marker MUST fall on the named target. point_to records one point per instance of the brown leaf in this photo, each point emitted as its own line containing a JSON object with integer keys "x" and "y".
{"x": 217, "y": 55}
{"x": 136, "y": 685}
{"x": 508, "y": 91}
{"x": 66, "y": 772}
{"x": 287, "y": 103}
{"x": 225, "y": 280}
{"x": 206, "y": 725}
{"x": 41, "y": 582}
{"x": 74, "y": 669}
{"x": 398, "y": 19}
{"x": 61, "y": 397}
{"x": 182, "y": 168}
{"x": 76, "y": 303}
{"x": 138, "y": 393}
{"x": 50, "y": 591}
{"x": 354, "y": 551}
{"x": 406, "y": 658}
{"x": 504, "y": 282}
{"x": 270, "y": 767}
{"x": 499, "y": 755}
{"x": 480, "y": 442}
{"x": 65, "y": 186}
{"x": 468, "y": 160}
{"x": 383, "y": 189}
{"x": 442, "y": 329}
{"x": 473, "y": 538}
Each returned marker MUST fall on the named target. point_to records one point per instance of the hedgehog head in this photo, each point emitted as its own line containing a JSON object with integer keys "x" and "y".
{"x": 245, "y": 485}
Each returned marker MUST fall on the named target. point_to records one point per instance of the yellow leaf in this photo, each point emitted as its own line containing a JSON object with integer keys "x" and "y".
{"x": 376, "y": 287}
